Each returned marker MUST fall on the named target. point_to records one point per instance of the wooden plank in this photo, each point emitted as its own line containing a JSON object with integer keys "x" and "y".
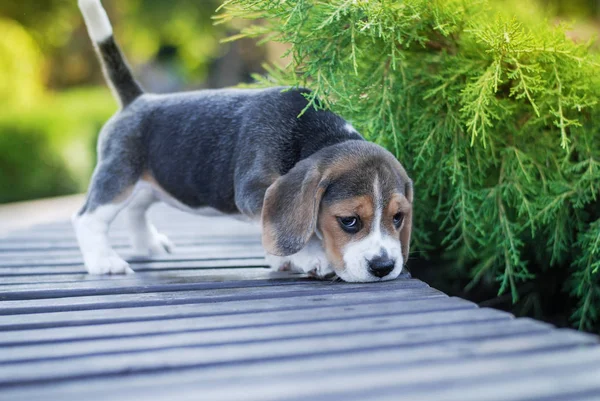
{"x": 418, "y": 313}
{"x": 138, "y": 266}
{"x": 516, "y": 378}
{"x": 191, "y": 324}
{"x": 202, "y": 273}
{"x": 119, "y": 286}
{"x": 244, "y": 352}
{"x": 46, "y": 246}
{"x": 123, "y": 235}
{"x": 237, "y": 332}
{"x": 146, "y": 282}
{"x": 553, "y": 379}
{"x": 196, "y": 250}
{"x": 182, "y": 232}
{"x": 76, "y": 259}
{"x": 188, "y": 246}
{"x": 402, "y": 299}
{"x": 135, "y": 385}
{"x": 204, "y": 296}
{"x": 203, "y": 227}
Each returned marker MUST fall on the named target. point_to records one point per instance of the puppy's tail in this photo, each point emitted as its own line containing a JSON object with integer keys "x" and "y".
{"x": 117, "y": 72}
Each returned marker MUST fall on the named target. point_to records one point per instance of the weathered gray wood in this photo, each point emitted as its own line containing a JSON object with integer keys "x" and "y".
{"x": 60, "y": 245}
{"x": 209, "y": 322}
{"x": 270, "y": 330}
{"x": 175, "y": 233}
{"x": 146, "y": 283}
{"x": 122, "y": 235}
{"x": 244, "y": 352}
{"x": 196, "y": 247}
{"x": 269, "y": 370}
{"x": 202, "y": 227}
{"x": 139, "y": 286}
{"x": 201, "y": 272}
{"x": 138, "y": 266}
{"x": 209, "y": 254}
{"x": 206, "y": 296}
{"x": 423, "y": 312}
{"x": 66, "y": 251}
{"x": 556, "y": 377}
{"x": 489, "y": 379}
{"x": 409, "y": 300}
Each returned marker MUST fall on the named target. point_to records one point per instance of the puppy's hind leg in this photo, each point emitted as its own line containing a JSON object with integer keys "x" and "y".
{"x": 145, "y": 239}
{"x": 109, "y": 193}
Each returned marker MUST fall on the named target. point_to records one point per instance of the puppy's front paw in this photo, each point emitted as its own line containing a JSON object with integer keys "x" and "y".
{"x": 315, "y": 266}
{"x": 310, "y": 260}
{"x": 278, "y": 263}
{"x": 322, "y": 271}
{"x": 109, "y": 263}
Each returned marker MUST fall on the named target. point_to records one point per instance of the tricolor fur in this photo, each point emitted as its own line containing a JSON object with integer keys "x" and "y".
{"x": 328, "y": 201}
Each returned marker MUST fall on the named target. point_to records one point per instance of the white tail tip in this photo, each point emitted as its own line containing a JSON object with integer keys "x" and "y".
{"x": 96, "y": 20}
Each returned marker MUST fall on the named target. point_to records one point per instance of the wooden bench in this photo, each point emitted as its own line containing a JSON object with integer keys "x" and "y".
{"x": 210, "y": 322}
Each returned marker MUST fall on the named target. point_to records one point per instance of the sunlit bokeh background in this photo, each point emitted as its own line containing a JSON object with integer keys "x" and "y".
{"x": 53, "y": 99}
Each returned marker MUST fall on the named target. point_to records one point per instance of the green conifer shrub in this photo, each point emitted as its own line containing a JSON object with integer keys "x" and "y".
{"x": 494, "y": 116}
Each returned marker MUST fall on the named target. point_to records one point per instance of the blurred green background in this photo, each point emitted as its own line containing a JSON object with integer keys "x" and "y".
{"x": 53, "y": 99}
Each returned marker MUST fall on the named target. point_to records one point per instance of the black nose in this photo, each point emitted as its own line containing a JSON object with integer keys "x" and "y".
{"x": 381, "y": 266}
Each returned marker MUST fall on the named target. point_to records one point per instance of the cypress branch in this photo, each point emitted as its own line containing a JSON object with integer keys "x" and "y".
{"x": 494, "y": 115}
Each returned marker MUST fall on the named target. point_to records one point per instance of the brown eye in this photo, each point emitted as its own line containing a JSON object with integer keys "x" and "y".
{"x": 398, "y": 217}
{"x": 349, "y": 224}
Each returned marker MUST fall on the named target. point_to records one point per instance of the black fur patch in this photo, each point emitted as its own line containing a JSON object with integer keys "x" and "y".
{"x": 118, "y": 72}
{"x": 224, "y": 148}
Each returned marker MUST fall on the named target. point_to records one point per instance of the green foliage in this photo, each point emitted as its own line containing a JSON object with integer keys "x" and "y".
{"x": 185, "y": 24}
{"x": 142, "y": 26}
{"x": 29, "y": 169}
{"x": 48, "y": 149}
{"x": 47, "y": 128}
{"x": 21, "y": 61}
{"x": 494, "y": 116}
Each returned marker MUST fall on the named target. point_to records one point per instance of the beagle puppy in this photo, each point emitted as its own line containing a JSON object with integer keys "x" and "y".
{"x": 330, "y": 203}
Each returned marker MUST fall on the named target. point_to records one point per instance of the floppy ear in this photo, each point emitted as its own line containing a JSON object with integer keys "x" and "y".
{"x": 407, "y": 226}
{"x": 290, "y": 209}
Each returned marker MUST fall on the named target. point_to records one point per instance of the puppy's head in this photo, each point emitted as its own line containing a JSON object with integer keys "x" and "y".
{"x": 357, "y": 198}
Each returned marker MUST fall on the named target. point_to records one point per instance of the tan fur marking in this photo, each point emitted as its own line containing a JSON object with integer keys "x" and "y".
{"x": 148, "y": 177}
{"x": 334, "y": 237}
{"x": 301, "y": 213}
{"x": 398, "y": 203}
{"x": 269, "y": 232}
{"x": 123, "y": 196}
{"x": 269, "y": 241}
